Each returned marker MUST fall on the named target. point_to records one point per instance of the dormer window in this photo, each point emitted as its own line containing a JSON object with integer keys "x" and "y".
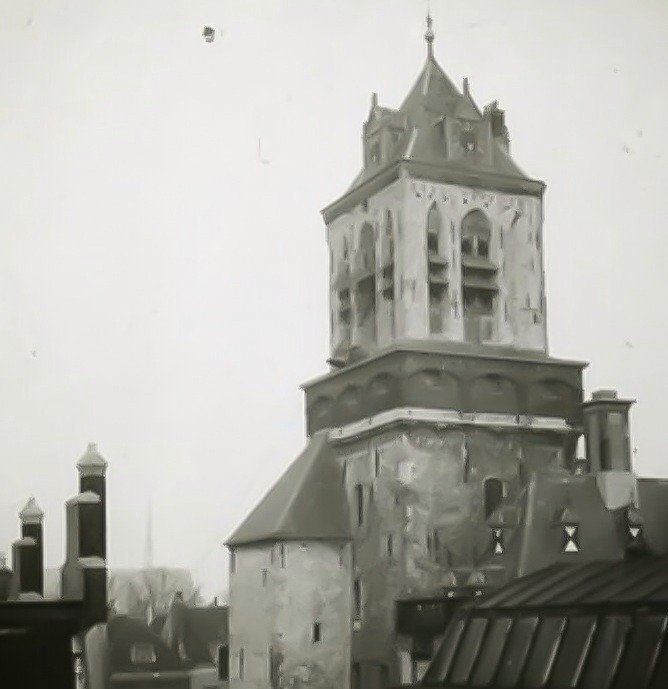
{"x": 635, "y": 540}
{"x": 571, "y": 540}
{"x": 497, "y": 544}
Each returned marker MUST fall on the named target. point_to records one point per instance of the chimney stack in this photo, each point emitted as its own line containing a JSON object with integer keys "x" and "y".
{"x": 6, "y": 579}
{"x": 21, "y": 558}
{"x": 32, "y": 562}
{"x": 606, "y": 426}
{"x": 92, "y": 469}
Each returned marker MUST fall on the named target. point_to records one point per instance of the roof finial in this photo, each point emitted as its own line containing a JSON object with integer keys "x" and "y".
{"x": 429, "y": 37}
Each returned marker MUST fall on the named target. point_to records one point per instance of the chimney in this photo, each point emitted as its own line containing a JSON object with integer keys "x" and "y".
{"x": 465, "y": 87}
{"x": 606, "y": 427}
{"x": 94, "y": 585}
{"x": 32, "y": 562}
{"x": 21, "y": 557}
{"x": 92, "y": 469}
{"x": 374, "y": 100}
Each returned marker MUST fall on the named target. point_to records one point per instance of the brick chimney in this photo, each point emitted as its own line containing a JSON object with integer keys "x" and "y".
{"x": 21, "y": 557}
{"x": 92, "y": 469}
{"x": 6, "y": 578}
{"x": 84, "y": 574}
{"x": 606, "y": 427}
{"x": 32, "y": 562}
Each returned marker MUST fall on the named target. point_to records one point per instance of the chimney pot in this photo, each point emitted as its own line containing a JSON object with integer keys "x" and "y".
{"x": 604, "y": 395}
{"x": 466, "y": 86}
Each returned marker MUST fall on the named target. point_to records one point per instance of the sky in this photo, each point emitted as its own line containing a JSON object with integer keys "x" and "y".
{"x": 163, "y": 271}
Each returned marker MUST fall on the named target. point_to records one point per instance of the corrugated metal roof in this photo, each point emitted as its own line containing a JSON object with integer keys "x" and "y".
{"x": 597, "y": 626}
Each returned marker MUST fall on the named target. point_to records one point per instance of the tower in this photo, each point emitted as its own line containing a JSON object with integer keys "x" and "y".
{"x": 440, "y": 405}
{"x": 439, "y": 238}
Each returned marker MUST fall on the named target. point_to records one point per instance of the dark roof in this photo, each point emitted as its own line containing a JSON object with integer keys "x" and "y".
{"x": 307, "y": 503}
{"x": 601, "y": 625}
{"x": 125, "y": 631}
{"x": 433, "y": 96}
{"x": 196, "y": 631}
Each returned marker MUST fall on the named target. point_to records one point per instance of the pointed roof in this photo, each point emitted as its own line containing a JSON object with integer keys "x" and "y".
{"x": 31, "y": 513}
{"x": 92, "y": 460}
{"x": 307, "y": 503}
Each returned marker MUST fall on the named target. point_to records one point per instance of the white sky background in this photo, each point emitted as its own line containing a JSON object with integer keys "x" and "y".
{"x": 163, "y": 292}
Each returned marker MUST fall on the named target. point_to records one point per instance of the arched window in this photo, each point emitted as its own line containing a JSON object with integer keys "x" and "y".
{"x": 476, "y": 234}
{"x": 367, "y": 248}
{"x": 493, "y": 495}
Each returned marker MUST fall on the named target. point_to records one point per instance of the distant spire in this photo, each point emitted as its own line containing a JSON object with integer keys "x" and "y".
{"x": 429, "y": 37}
{"x": 148, "y": 554}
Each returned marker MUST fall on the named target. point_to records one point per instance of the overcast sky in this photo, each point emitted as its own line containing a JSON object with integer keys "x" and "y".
{"x": 163, "y": 271}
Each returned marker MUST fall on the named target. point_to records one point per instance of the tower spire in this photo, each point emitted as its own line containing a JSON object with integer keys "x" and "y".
{"x": 429, "y": 37}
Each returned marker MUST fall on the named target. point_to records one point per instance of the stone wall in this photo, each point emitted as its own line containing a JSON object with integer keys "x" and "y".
{"x": 278, "y": 593}
{"x": 423, "y": 525}
{"x": 515, "y": 248}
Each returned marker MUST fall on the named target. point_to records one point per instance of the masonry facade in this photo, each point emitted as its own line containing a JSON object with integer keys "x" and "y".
{"x": 441, "y": 456}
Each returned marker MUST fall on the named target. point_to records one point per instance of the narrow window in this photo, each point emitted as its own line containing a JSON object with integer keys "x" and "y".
{"x": 359, "y": 499}
{"x": 389, "y": 545}
{"x": 344, "y": 471}
{"x": 233, "y": 561}
{"x": 357, "y": 600}
{"x": 223, "y": 663}
{"x": 376, "y": 461}
{"x": 493, "y": 495}
{"x": 264, "y": 577}
{"x": 281, "y": 555}
{"x": 241, "y": 663}
{"x": 355, "y": 676}
{"x": 316, "y": 632}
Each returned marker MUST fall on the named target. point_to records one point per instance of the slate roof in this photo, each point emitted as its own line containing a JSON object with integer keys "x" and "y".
{"x": 599, "y": 625}
{"x": 196, "y": 631}
{"x": 432, "y": 97}
{"x": 125, "y": 631}
{"x": 307, "y": 503}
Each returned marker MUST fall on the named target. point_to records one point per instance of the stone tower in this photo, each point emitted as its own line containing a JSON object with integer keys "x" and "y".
{"x": 440, "y": 405}
{"x": 439, "y": 238}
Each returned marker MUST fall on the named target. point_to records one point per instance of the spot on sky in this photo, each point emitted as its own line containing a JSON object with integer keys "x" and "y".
{"x": 209, "y": 34}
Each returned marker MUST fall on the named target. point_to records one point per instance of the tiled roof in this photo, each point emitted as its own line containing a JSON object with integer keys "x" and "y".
{"x": 601, "y": 625}
{"x": 307, "y": 503}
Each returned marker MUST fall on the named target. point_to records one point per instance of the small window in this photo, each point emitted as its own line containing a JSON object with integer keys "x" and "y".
{"x": 359, "y": 500}
{"x": 142, "y": 654}
{"x": 281, "y": 555}
{"x": 316, "y": 632}
{"x": 376, "y": 461}
{"x": 432, "y": 243}
{"x": 241, "y": 663}
{"x": 493, "y": 495}
{"x": 389, "y": 545}
{"x": 357, "y": 600}
{"x": 483, "y": 248}
{"x": 571, "y": 542}
{"x": 264, "y": 577}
